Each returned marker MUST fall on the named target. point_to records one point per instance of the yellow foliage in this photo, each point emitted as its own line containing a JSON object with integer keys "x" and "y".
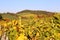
{"x": 14, "y": 22}
{"x": 0, "y": 33}
{"x": 5, "y": 25}
{"x": 37, "y": 34}
{"x": 21, "y": 37}
{"x": 58, "y": 35}
{"x": 14, "y": 27}
{"x": 8, "y": 23}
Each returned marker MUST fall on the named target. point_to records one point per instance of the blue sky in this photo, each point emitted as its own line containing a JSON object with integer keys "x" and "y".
{"x": 18, "y": 5}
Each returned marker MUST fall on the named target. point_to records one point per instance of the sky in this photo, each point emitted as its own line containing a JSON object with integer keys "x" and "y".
{"x": 19, "y": 5}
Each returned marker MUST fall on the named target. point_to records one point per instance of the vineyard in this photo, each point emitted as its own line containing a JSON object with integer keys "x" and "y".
{"x": 30, "y": 25}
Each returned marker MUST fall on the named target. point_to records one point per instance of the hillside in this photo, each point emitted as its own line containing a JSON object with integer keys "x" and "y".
{"x": 30, "y": 25}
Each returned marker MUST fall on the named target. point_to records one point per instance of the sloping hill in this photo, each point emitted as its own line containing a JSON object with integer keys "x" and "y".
{"x": 30, "y": 25}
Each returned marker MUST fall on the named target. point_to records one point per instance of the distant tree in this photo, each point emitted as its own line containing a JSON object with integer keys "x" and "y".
{"x": 0, "y": 17}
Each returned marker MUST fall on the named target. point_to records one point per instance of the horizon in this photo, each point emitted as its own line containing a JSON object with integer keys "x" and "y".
{"x": 18, "y": 5}
{"x": 29, "y": 10}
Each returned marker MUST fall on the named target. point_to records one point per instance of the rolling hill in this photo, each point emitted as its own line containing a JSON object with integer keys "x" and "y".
{"x": 30, "y": 25}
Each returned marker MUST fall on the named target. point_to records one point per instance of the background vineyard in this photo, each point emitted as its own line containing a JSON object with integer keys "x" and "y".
{"x": 30, "y": 25}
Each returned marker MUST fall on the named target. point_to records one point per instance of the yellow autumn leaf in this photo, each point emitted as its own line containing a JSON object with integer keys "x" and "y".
{"x": 21, "y": 37}
{"x": 14, "y": 27}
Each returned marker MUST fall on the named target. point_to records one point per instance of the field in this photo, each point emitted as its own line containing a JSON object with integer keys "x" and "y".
{"x": 30, "y": 25}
